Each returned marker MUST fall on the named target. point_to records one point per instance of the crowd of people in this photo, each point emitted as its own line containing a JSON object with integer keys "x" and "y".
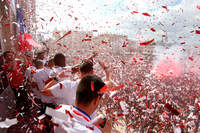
{"x": 57, "y": 94}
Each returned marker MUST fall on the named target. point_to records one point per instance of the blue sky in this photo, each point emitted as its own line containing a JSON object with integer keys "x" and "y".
{"x": 115, "y": 16}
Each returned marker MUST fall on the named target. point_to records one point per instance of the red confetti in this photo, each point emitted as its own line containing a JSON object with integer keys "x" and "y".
{"x": 134, "y": 12}
{"x": 192, "y": 31}
{"x": 198, "y": 7}
{"x": 141, "y": 59}
{"x": 190, "y": 58}
{"x": 152, "y": 29}
{"x": 92, "y": 85}
{"x": 69, "y": 32}
{"x": 58, "y": 107}
{"x": 198, "y": 106}
{"x": 76, "y": 18}
{"x": 51, "y": 19}
{"x": 117, "y": 87}
{"x": 118, "y": 24}
{"x": 95, "y": 30}
{"x": 139, "y": 84}
{"x": 104, "y": 42}
{"x": 115, "y": 119}
{"x": 129, "y": 126}
{"x": 67, "y": 112}
{"x": 146, "y": 14}
{"x": 120, "y": 115}
{"x": 123, "y": 62}
{"x": 182, "y": 43}
{"x": 125, "y": 44}
{"x": 197, "y": 31}
{"x": 61, "y": 85}
{"x": 148, "y": 42}
{"x": 42, "y": 19}
{"x": 163, "y": 35}
{"x": 165, "y": 7}
{"x": 86, "y": 40}
{"x": 33, "y": 71}
{"x": 135, "y": 60}
{"x": 103, "y": 89}
{"x": 118, "y": 99}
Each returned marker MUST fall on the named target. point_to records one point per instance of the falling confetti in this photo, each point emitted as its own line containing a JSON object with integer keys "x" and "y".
{"x": 146, "y": 14}
{"x": 147, "y": 43}
{"x": 198, "y": 7}
{"x": 152, "y": 29}
{"x": 51, "y": 19}
{"x": 69, "y": 32}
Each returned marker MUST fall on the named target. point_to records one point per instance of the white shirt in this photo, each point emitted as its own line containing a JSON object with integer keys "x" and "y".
{"x": 56, "y": 70}
{"x": 71, "y": 120}
{"x": 28, "y": 73}
{"x": 40, "y": 77}
{"x": 65, "y": 91}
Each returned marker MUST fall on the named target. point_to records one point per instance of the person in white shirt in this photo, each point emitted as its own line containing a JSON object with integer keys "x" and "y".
{"x": 67, "y": 89}
{"x": 60, "y": 65}
{"x": 76, "y": 118}
{"x": 40, "y": 78}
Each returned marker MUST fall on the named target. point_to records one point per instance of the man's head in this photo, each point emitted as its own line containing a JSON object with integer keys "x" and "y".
{"x": 8, "y": 56}
{"x": 41, "y": 55}
{"x": 86, "y": 68}
{"x": 88, "y": 92}
{"x": 38, "y": 64}
{"x": 50, "y": 63}
{"x": 59, "y": 60}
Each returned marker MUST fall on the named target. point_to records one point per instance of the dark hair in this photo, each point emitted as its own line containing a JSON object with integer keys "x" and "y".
{"x": 40, "y": 55}
{"x": 38, "y": 63}
{"x": 86, "y": 66}
{"x": 84, "y": 93}
{"x": 6, "y": 52}
{"x": 59, "y": 60}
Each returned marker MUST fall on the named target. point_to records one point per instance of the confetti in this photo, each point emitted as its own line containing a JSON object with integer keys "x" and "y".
{"x": 51, "y": 19}
{"x": 182, "y": 43}
{"x": 147, "y": 43}
{"x": 69, "y": 32}
{"x": 152, "y": 29}
{"x": 191, "y": 58}
{"x": 84, "y": 40}
{"x": 104, "y": 42}
{"x": 42, "y": 19}
{"x": 67, "y": 112}
{"x": 135, "y": 60}
{"x": 92, "y": 86}
{"x": 165, "y": 7}
{"x": 146, "y": 14}
{"x": 58, "y": 107}
{"x": 198, "y": 7}
{"x": 103, "y": 89}
{"x": 133, "y": 12}
{"x": 197, "y": 31}
{"x": 198, "y": 106}
{"x": 61, "y": 85}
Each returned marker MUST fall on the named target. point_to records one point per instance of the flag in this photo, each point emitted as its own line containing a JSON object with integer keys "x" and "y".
{"x": 25, "y": 39}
